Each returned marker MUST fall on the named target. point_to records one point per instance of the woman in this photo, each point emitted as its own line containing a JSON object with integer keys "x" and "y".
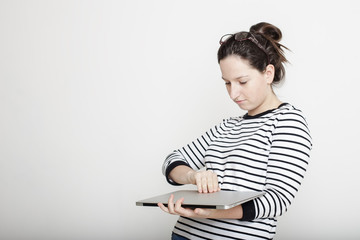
{"x": 266, "y": 150}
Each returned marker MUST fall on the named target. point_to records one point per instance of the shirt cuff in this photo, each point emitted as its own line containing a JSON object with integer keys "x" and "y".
{"x": 248, "y": 211}
{"x": 170, "y": 168}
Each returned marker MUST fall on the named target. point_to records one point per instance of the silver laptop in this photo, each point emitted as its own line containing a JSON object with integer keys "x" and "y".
{"x": 194, "y": 199}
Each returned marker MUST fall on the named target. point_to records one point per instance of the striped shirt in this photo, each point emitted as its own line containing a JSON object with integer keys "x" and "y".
{"x": 268, "y": 152}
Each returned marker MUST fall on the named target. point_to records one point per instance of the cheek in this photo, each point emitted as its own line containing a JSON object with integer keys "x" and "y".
{"x": 256, "y": 91}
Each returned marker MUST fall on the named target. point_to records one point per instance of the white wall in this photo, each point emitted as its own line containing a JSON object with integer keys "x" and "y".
{"x": 94, "y": 95}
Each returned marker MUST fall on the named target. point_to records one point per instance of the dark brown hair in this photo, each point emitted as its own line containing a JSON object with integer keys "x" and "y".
{"x": 269, "y": 37}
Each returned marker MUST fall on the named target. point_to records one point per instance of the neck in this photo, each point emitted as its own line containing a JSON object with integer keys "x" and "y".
{"x": 269, "y": 103}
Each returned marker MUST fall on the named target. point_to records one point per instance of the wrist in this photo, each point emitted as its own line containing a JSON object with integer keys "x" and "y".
{"x": 190, "y": 176}
{"x": 231, "y": 213}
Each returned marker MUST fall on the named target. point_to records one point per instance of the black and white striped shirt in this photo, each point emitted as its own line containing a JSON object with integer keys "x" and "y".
{"x": 268, "y": 152}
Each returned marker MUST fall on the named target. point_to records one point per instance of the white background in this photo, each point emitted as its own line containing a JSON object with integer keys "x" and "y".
{"x": 95, "y": 94}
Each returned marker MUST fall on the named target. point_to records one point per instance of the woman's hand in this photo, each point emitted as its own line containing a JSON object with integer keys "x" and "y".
{"x": 206, "y": 181}
{"x": 177, "y": 209}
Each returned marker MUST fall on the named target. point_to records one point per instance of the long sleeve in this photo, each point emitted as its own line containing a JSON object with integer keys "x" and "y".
{"x": 268, "y": 152}
{"x": 287, "y": 163}
{"x": 192, "y": 154}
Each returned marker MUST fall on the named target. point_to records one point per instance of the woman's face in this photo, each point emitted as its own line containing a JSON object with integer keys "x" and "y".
{"x": 247, "y": 87}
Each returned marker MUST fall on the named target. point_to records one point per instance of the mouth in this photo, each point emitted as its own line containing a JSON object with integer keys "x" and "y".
{"x": 240, "y": 101}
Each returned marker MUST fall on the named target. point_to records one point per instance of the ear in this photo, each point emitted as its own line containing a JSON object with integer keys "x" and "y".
{"x": 269, "y": 73}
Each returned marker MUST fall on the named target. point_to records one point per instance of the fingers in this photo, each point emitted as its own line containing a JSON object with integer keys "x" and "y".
{"x": 171, "y": 204}
{"x": 177, "y": 209}
{"x": 162, "y": 207}
{"x": 173, "y": 208}
{"x": 186, "y": 212}
{"x": 216, "y": 186}
{"x": 198, "y": 182}
{"x": 170, "y": 207}
{"x": 206, "y": 182}
{"x": 212, "y": 182}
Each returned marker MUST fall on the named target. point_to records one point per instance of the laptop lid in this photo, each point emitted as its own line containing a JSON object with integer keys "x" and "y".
{"x": 194, "y": 199}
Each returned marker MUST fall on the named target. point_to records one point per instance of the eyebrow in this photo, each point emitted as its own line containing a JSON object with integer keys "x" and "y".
{"x": 238, "y": 78}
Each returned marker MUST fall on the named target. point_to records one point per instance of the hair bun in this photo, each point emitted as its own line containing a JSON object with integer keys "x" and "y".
{"x": 268, "y": 30}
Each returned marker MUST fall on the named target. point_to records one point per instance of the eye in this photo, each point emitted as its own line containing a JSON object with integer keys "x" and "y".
{"x": 227, "y": 83}
{"x": 243, "y": 82}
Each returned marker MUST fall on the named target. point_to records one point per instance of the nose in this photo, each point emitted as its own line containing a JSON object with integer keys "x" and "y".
{"x": 234, "y": 91}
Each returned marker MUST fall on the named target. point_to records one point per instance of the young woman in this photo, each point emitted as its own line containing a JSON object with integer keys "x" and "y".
{"x": 267, "y": 149}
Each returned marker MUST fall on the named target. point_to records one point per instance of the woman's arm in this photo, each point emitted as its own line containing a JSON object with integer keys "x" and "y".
{"x": 177, "y": 209}
{"x": 192, "y": 155}
{"x": 206, "y": 181}
{"x": 288, "y": 159}
{"x": 287, "y": 164}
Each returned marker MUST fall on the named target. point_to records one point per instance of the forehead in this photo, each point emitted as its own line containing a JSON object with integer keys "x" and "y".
{"x": 234, "y": 66}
